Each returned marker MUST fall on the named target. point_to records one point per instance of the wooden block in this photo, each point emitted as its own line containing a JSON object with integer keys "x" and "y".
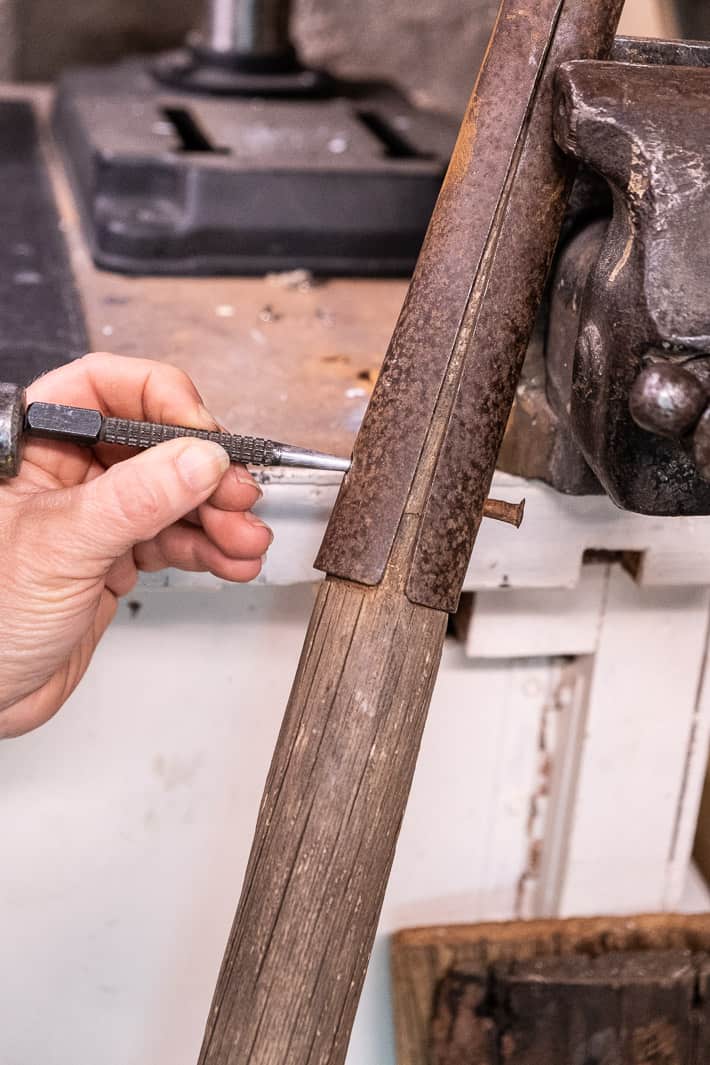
{"x": 703, "y": 1013}
{"x": 619, "y": 1009}
{"x": 588, "y": 991}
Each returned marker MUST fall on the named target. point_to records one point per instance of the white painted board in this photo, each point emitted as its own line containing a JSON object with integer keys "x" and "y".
{"x": 635, "y": 745}
{"x": 525, "y": 622}
{"x": 127, "y": 821}
{"x": 546, "y": 552}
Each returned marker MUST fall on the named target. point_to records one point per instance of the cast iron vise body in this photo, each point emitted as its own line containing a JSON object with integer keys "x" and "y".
{"x": 616, "y": 394}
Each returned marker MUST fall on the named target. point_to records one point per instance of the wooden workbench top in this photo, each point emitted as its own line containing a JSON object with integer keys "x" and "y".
{"x": 291, "y": 363}
{"x": 282, "y": 356}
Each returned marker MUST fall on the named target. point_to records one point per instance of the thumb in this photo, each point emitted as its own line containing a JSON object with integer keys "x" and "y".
{"x": 135, "y": 499}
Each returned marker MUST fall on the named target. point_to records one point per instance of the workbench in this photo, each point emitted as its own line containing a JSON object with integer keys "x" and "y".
{"x": 563, "y": 761}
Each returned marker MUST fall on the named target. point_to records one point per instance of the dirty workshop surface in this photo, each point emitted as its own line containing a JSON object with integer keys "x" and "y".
{"x": 285, "y": 355}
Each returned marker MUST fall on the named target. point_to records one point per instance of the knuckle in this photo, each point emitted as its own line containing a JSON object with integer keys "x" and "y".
{"x": 93, "y": 358}
{"x": 181, "y": 378}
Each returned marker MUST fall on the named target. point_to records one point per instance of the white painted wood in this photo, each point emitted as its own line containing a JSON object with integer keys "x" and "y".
{"x": 126, "y": 824}
{"x": 691, "y": 789}
{"x": 546, "y": 552}
{"x": 520, "y": 623}
{"x": 467, "y": 821}
{"x": 545, "y": 785}
{"x": 696, "y": 893}
{"x": 465, "y": 841}
{"x": 127, "y": 821}
{"x": 564, "y": 745}
{"x": 634, "y": 752}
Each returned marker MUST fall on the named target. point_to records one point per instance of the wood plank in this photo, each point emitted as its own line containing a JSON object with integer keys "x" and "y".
{"x": 326, "y": 838}
{"x": 423, "y": 959}
{"x": 620, "y": 1009}
{"x": 524, "y": 623}
{"x": 344, "y": 762}
{"x": 548, "y": 551}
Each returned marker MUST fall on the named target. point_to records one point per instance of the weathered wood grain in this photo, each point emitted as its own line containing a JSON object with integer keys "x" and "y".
{"x": 635, "y": 990}
{"x": 326, "y": 831}
{"x": 343, "y": 766}
{"x": 615, "y": 1009}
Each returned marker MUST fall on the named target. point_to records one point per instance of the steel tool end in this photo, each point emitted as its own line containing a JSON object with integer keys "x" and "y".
{"x": 310, "y": 460}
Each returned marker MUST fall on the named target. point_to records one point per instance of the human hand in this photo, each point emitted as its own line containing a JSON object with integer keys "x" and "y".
{"x": 78, "y": 524}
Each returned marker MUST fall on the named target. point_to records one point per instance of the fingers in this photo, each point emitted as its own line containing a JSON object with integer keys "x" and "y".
{"x": 237, "y": 535}
{"x": 121, "y": 387}
{"x": 125, "y": 388}
{"x": 219, "y": 540}
{"x": 52, "y": 464}
{"x": 191, "y": 549}
{"x": 138, "y": 501}
{"x": 98, "y": 522}
{"x": 236, "y": 491}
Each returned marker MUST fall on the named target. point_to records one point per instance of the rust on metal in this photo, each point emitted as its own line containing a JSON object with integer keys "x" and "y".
{"x": 501, "y": 325}
{"x": 510, "y": 513}
{"x": 389, "y": 447}
{"x": 435, "y": 422}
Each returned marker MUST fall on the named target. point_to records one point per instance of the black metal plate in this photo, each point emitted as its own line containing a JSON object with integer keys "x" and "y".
{"x": 174, "y": 183}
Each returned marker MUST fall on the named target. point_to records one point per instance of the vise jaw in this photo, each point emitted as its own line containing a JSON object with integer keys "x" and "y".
{"x": 621, "y": 403}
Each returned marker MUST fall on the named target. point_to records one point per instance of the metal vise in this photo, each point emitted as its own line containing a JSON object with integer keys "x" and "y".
{"x": 616, "y": 393}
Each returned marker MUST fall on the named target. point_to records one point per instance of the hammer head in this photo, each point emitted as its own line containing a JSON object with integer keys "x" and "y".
{"x": 12, "y": 418}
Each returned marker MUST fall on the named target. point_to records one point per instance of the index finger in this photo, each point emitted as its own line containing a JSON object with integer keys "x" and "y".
{"x": 118, "y": 386}
{"x": 124, "y": 387}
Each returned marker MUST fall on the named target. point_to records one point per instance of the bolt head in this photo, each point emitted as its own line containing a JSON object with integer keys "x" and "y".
{"x": 667, "y": 400}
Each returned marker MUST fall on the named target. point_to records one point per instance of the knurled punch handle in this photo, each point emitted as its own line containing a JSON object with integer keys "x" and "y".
{"x": 79, "y": 425}
{"x": 86, "y": 427}
{"x": 248, "y": 450}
